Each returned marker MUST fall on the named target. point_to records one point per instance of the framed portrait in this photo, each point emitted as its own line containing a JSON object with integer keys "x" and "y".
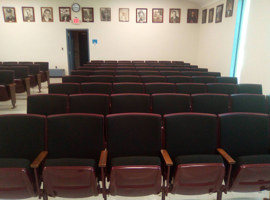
{"x": 211, "y": 15}
{"x": 105, "y": 14}
{"x": 175, "y": 15}
{"x": 46, "y": 14}
{"x": 88, "y": 14}
{"x": 157, "y": 15}
{"x": 28, "y": 14}
{"x": 64, "y": 14}
{"x": 123, "y": 15}
{"x": 192, "y": 15}
{"x": 219, "y": 12}
{"x": 141, "y": 15}
{"x": 229, "y": 8}
{"x": 204, "y": 16}
{"x": 9, "y": 14}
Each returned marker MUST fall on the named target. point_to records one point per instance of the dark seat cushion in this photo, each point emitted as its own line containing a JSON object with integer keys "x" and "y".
{"x": 254, "y": 159}
{"x": 136, "y": 160}
{"x": 190, "y": 159}
{"x": 14, "y": 163}
{"x": 70, "y": 162}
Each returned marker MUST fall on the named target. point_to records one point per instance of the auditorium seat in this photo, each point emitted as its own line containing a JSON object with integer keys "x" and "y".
{"x": 90, "y": 103}
{"x": 47, "y": 104}
{"x": 170, "y": 103}
{"x": 44, "y": 70}
{"x": 126, "y": 72}
{"x": 204, "y": 79}
{"x": 249, "y": 88}
{"x": 82, "y": 72}
{"x": 152, "y": 88}
{"x": 130, "y": 102}
{"x": 210, "y": 103}
{"x": 245, "y": 137}
{"x": 7, "y": 86}
{"x": 179, "y": 79}
{"x": 152, "y": 79}
{"x": 170, "y": 73}
{"x": 134, "y": 160}
{"x": 22, "y": 150}
{"x": 249, "y": 103}
{"x": 64, "y": 88}
{"x": 103, "y": 72}
{"x": 191, "y": 88}
{"x": 221, "y": 88}
{"x": 148, "y": 73}
{"x": 98, "y": 88}
{"x": 75, "y": 79}
{"x": 224, "y": 79}
{"x": 75, "y": 143}
{"x": 128, "y": 87}
{"x": 101, "y": 78}
{"x": 198, "y": 169}
{"x": 126, "y": 78}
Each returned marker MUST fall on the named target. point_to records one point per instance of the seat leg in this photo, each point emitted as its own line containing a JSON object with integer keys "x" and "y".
{"x": 12, "y": 92}
{"x": 163, "y": 195}
{"x": 38, "y": 78}
{"x": 219, "y": 195}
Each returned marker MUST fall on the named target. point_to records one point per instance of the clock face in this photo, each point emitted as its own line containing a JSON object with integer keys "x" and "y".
{"x": 76, "y": 7}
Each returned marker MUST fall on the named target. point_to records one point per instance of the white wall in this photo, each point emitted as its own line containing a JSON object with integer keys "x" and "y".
{"x": 256, "y": 64}
{"x": 41, "y": 41}
{"x": 216, "y": 41}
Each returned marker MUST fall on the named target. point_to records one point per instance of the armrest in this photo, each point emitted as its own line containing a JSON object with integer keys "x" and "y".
{"x": 166, "y": 157}
{"x": 225, "y": 155}
{"x": 39, "y": 159}
{"x": 103, "y": 158}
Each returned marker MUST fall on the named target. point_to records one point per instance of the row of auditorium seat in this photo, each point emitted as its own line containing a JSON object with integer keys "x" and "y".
{"x": 194, "y": 153}
{"x": 152, "y": 88}
{"x": 47, "y": 104}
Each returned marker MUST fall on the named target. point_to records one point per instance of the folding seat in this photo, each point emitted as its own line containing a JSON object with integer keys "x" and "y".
{"x": 151, "y": 61}
{"x": 210, "y": 103}
{"x": 126, "y": 72}
{"x": 248, "y": 103}
{"x": 87, "y": 68}
{"x": 170, "y": 103}
{"x": 7, "y": 86}
{"x": 148, "y": 73}
{"x": 204, "y": 79}
{"x": 25, "y": 63}
{"x": 191, "y": 73}
{"x": 64, "y": 88}
{"x": 170, "y": 73}
{"x": 179, "y": 79}
{"x": 245, "y": 137}
{"x": 103, "y": 72}
{"x": 152, "y": 79}
{"x": 22, "y": 151}
{"x": 98, "y": 88}
{"x": 10, "y": 63}
{"x": 210, "y": 74}
{"x": 75, "y": 79}
{"x": 101, "y": 78}
{"x": 134, "y": 158}
{"x": 130, "y": 102}
{"x": 128, "y": 87}
{"x": 199, "y": 69}
{"x": 97, "y": 61}
{"x": 249, "y": 88}
{"x": 75, "y": 143}
{"x": 110, "y": 61}
{"x": 161, "y": 69}
{"x": 127, "y": 78}
{"x": 182, "y": 69}
{"x": 124, "y": 61}
{"x": 125, "y": 68}
{"x": 89, "y": 103}
{"x": 44, "y": 70}
{"x": 164, "y": 62}
{"x": 82, "y": 72}
{"x": 137, "y": 61}
{"x": 267, "y": 97}
{"x": 152, "y": 88}
{"x": 145, "y": 69}
{"x": 224, "y": 79}
{"x": 193, "y": 66}
{"x": 191, "y": 142}
{"x": 191, "y": 88}
{"x": 35, "y": 75}
{"x": 221, "y": 88}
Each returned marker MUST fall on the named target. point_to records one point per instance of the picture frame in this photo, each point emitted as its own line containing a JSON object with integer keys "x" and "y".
{"x": 192, "y": 16}
{"x": 64, "y": 14}
{"x": 141, "y": 15}
{"x": 9, "y": 14}
{"x": 28, "y": 14}
{"x": 157, "y": 15}
{"x": 211, "y": 15}
{"x": 46, "y": 14}
{"x": 229, "y": 8}
{"x": 105, "y": 14}
{"x": 175, "y": 15}
{"x": 123, "y": 14}
{"x": 204, "y": 16}
{"x": 87, "y": 14}
{"x": 219, "y": 13}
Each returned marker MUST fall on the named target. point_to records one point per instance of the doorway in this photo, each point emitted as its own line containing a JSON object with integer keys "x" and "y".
{"x": 77, "y": 48}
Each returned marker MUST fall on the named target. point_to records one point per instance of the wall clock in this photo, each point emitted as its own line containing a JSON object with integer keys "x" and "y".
{"x": 76, "y": 7}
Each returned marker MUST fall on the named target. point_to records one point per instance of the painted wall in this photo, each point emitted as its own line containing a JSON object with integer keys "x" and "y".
{"x": 41, "y": 41}
{"x": 256, "y": 63}
{"x": 216, "y": 41}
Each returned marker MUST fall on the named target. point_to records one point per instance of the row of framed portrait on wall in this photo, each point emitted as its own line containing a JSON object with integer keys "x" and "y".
{"x": 105, "y": 14}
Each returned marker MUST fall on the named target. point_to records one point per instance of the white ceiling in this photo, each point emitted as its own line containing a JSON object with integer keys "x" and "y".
{"x": 204, "y": 2}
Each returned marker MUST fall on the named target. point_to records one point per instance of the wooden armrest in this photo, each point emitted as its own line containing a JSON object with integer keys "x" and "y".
{"x": 166, "y": 157}
{"x": 39, "y": 159}
{"x": 103, "y": 158}
{"x": 225, "y": 155}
